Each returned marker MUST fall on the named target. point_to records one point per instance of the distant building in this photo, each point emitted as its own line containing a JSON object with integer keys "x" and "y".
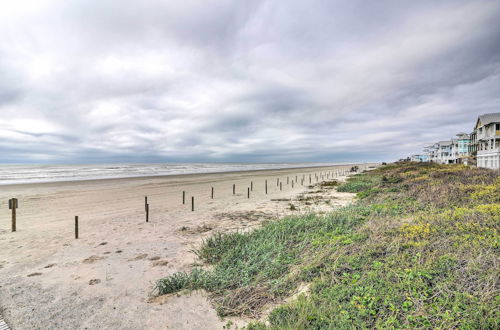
{"x": 480, "y": 148}
{"x": 460, "y": 149}
{"x": 473, "y": 148}
{"x": 488, "y": 140}
{"x": 444, "y": 155}
{"x": 419, "y": 158}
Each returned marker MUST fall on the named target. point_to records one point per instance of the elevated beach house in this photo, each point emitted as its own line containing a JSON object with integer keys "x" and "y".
{"x": 460, "y": 149}
{"x": 487, "y": 131}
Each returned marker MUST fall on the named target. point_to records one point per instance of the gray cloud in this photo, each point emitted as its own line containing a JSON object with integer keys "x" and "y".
{"x": 95, "y": 81}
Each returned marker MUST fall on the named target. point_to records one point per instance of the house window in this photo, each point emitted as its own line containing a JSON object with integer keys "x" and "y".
{"x": 497, "y": 127}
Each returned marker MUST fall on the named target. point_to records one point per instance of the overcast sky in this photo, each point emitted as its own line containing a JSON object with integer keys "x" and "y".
{"x": 147, "y": 81}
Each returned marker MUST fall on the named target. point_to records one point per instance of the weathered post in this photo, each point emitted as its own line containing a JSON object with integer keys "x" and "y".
{"x": 292, "y": 183}
{"x": 212, "y": 193}
{"x": 287, "y": 180}
{"x": 281, "y": 188}
{"x": 192, "y": 203}
{"x": 76, "y": 227}
{"x": 277, "y": 182}
{"x": 251, "y": 185}
{"x": 234, "y": 188}
{"x": 266, "y": 187}
{"x": 145, "y": 202}
{"x": 183, "y": 197}
{"x": 147, "y": 212}
{"x": 13, "y": 206}
{"x": 248, "y": 192}
{"x": 309, "y": 178}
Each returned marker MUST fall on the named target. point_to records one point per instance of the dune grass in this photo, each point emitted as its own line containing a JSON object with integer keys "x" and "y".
{"x": 419, "y": 249}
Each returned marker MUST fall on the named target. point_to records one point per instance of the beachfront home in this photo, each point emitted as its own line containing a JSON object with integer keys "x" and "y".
{"x": 444, "y": 155}
{"x": 488, "y": 140}
{"x": 473, "y": 148}
{"x": 460, "y": 149}
{"x": 431, "y": 152}
{"x": 419, "y": 158}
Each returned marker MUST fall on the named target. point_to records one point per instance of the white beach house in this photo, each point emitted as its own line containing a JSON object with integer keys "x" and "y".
{"x": 488, "y": 140}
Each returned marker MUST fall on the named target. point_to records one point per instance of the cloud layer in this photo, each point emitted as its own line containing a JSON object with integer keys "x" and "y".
{"x": 140, "y": 81}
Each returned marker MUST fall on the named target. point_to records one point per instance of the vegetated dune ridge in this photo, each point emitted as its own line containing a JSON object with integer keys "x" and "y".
{"x": 105, "y": 279}
{"x": 419, "y": 249}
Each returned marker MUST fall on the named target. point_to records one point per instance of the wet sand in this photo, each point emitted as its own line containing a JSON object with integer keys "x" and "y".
{"x": 106, "y": 278}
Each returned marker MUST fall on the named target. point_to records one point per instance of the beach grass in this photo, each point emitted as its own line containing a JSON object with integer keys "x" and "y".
{"x": 419, "y": 248}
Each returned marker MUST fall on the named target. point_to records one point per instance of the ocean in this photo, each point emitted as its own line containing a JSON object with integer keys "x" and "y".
{"x": 21, "y": 174}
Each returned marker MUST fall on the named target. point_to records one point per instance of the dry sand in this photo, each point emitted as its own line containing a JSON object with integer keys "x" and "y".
{"x": 105, "y": 279}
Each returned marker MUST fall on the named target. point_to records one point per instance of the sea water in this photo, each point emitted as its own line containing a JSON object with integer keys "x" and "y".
{"x": 19, "y": 174}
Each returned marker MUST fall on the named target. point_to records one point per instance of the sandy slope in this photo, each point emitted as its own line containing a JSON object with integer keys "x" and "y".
{"x": 49, "y": 280}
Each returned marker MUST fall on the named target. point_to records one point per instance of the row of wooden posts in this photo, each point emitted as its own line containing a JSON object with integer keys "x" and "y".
{"x": 13, "y": 202}
{"x": 278, "y": 184}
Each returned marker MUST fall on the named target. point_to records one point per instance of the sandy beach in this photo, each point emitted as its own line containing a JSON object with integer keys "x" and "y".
{"x": 106, "y": 278}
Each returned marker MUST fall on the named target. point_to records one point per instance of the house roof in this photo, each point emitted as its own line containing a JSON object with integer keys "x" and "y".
{"x": 444, "y": 143}
{"x": 488, "y": 118}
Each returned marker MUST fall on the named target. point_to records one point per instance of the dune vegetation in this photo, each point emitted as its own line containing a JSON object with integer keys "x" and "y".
{"x": 419, "y": 248}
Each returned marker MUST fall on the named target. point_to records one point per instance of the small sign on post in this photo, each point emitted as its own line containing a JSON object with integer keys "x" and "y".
{"x": 13, "y": 204}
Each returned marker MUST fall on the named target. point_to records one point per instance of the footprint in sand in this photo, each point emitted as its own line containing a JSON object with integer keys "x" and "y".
{"x": 138, "y": 257}
{"x": 49, "y": 266}
{"x": 92, "y": 259}
{"x": 34, "y": 274}
{"x": 154, "y": 258}
{"x": 159, "y": 263}
{"x": 94, "y": 281}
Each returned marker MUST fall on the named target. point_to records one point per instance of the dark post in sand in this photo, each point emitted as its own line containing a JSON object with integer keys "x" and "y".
{"x": 13, "y": 206}
{"x": 76, "y": 227}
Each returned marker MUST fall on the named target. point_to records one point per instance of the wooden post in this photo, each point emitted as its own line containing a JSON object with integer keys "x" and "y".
{"x": 266, "y": 187}
{"x": 248, "y": 192}
{"x": 309, "y": 178}
{"x": 292, "y": 183}
{"x": 287, "y": 180}
{"x": 296, "y": 179}
{"x": 145, "y": 202}
{"x": 251, "y": 185}
{"x": 147, "y": 212}
{"x": 76, "y": 227}
{"x": 192, "y": 203}
{"x": 13, "y": 206}
{"x": 277, "y": 182}
{"x": 234, "y": 188}
{"x": 212, "y": 192}
{"x": 281, "y": 188}
{"x": 183, "y": 197}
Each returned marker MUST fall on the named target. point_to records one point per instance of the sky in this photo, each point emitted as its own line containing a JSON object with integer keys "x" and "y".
{"x": 85, "y": 81}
